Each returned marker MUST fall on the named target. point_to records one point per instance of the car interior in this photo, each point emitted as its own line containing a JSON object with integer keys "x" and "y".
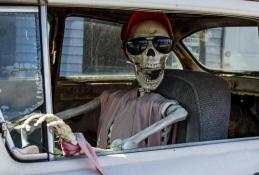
{"x": 211, "y": 72}
{"x": 221, "y": 104}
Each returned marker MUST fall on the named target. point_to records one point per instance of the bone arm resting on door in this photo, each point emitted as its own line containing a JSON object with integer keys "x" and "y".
{"x": 70, "y": 113}
{"x": 178, "y": 114}
{"x": 67, "y": 114}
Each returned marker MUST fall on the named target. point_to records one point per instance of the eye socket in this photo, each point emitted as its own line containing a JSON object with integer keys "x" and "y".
{"x": 137, "y": 45}
{"x": 163, "y": 44}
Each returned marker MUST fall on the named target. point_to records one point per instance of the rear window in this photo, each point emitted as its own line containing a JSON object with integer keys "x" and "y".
{"x": 226, "y": 48}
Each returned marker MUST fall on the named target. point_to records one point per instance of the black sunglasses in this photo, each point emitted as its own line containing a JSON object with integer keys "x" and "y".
{"x": 136, "y": 46}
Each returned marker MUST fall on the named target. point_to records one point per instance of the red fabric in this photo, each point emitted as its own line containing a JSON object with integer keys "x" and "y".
{"x": 143, "y": 16}
{"x": 69, "y": 149}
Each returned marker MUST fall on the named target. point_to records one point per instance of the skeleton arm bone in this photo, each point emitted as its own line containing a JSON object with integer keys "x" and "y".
{"x": 67, "y": 114}
{"x": 70, "y": 113}
{"x": 54, "y": 121}
{"x": 177, "y": 113}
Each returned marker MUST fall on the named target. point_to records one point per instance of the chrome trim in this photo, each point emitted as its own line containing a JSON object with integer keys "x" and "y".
{"x": 14, "y": 150}
{"x": 47, "y": 76}
{"x": 20, "y": 156}
{"x": 19, "y": 9}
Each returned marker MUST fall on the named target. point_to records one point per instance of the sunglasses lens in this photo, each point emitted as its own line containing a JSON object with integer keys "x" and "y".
{"x": 163, "y": 44}
{"x": 136, "y": 46}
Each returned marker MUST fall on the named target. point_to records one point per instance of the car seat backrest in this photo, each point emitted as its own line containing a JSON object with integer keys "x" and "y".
{"x": 207, "y": 99}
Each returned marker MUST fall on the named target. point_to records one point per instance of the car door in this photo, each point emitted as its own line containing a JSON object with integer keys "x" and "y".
{"x": 24, "y": 85}
{"x": 238, "y": 156}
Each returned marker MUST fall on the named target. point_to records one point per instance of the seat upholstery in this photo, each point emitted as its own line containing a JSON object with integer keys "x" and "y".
{"x": 207, "y": 99}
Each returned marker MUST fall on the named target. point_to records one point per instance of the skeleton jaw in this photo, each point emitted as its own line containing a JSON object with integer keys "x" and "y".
{"x": 149, "y": 76}
{"x": 149, "y": 70}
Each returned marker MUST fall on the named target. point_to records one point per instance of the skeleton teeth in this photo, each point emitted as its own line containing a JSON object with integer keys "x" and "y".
{"x": 151, "y": 66}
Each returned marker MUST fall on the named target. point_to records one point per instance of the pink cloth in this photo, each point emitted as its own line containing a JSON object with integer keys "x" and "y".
{"x": 129, "y": 114}
{"x": 70, "y": 149}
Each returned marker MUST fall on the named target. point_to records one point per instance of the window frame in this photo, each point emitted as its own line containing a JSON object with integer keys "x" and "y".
{"x": 101, "y": 77}
{"x": 140, "y": 150}
{"x": 88, "y": 78}
{"x": 41, "y": 13}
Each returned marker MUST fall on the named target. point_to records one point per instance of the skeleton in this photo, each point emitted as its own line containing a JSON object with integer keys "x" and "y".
{"x": 149, "y": 68}
{"x": 150, "y": 62}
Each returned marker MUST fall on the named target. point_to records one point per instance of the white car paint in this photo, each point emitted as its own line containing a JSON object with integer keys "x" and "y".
{"x": 224, "y": 7}
{"x": 232, "y": 157}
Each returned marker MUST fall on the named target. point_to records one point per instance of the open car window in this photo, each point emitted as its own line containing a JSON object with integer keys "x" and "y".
{"x": 232, "y": 49}
{"x": 92, "y": 49}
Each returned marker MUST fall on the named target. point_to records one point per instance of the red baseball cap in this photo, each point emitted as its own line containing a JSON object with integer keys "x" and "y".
{"x": 139, "y": 16}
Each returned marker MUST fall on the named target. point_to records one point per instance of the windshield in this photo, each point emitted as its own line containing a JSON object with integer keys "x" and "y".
{"x": 21, "y": 90}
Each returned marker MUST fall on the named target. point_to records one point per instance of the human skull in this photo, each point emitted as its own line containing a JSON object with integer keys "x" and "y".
{"x": 149, "y": 65}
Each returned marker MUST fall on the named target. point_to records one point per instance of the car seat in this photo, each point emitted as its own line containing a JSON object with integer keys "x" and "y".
{"x": 207, "y": 99}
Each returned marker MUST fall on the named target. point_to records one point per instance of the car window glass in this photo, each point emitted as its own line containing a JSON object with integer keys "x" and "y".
{"x": 21, "y": 81}
{"x": 21, "y": 89}
{"x": 92, "y": 48}
{"x": 226, "y": 48}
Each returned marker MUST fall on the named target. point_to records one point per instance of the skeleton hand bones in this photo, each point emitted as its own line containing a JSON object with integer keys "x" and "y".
{"x": 68, "y": 143}
{"x": 59, "y": 126}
